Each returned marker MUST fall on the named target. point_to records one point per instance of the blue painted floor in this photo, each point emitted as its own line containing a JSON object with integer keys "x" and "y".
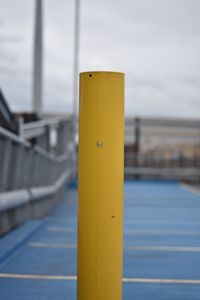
{"x": 161, "y": 248}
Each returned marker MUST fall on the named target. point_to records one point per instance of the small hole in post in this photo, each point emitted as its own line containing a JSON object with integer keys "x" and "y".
{"x": 90, "y": 75}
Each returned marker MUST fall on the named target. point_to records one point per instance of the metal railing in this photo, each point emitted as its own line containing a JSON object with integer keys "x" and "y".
{"x": 35, "y": 166}
{"x": 33, "y": 177}
{"x": 162, "y": 149}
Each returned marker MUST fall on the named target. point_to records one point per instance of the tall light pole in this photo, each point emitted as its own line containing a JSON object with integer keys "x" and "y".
{"x": 38, "y": 59}
{"x": 75, "y": 83}
{"x": 76, "y": 65}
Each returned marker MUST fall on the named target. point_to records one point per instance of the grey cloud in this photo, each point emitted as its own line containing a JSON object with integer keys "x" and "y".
{"x": 156, "y": 43}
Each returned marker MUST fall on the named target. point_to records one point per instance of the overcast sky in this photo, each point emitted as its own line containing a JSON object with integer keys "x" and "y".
{"x": 155, "y": 42}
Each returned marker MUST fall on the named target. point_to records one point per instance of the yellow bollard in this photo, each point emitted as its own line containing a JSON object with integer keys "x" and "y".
{"x": 101, "y": 170}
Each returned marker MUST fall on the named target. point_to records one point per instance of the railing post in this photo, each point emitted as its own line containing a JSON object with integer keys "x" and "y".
{"x": 137, "y": 147}
{"x": 101, "y": 171}
{"x": 5, "y": 163}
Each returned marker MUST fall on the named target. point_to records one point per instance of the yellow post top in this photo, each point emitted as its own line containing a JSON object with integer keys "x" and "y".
{"x": 101, "y": 72}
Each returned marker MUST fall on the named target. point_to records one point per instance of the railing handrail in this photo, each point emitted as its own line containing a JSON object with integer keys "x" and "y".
{"x": 164, "y": 122}
{"x": 20, "y": 140}
{"x": 35, "y": 129}
{"x": 51, "y": 156}
{"x": 14, "y": 137}
{"x": 43, "y": 123}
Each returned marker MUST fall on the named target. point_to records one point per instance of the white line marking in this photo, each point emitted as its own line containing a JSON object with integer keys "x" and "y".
{"x": 162, "y": 232}
{"x": 162, "y": 281}
{"x": 60, "y": 219}
{"x": 50, "y": 245}
{"x": 163, "y": 249}
{"x": 129, "y": 220}
{"x": 37, "y": 277}
{"x": 131, "y": 248}
{"x": 60, "y": 229}
{"x": 136, "y": 231}
{"x": 125, "y": 280}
